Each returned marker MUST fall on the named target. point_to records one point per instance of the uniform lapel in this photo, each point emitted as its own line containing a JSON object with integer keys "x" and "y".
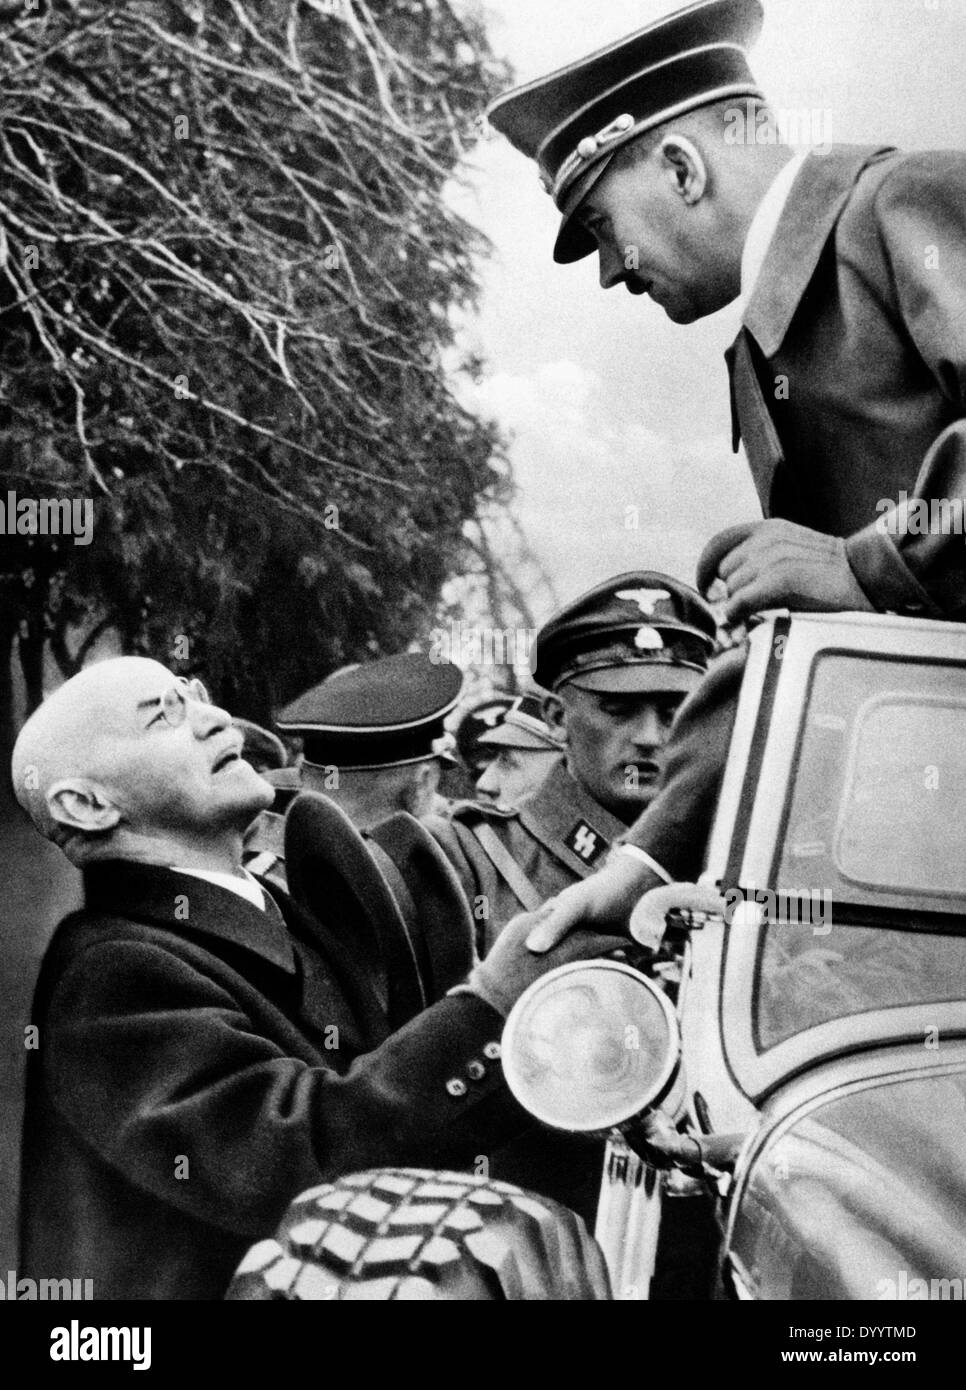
{"x": 815, "y": 204}
{"x": 569, "y": 823}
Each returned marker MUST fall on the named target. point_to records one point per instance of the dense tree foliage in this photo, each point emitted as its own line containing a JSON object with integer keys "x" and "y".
{"x": 228, "y": 273}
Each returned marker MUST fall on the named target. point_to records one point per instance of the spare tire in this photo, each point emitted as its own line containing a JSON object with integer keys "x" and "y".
{"x": 406, "y": 1234}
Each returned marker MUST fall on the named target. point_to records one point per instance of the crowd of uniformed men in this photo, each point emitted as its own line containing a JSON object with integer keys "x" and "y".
{"x": 283, "y": 973}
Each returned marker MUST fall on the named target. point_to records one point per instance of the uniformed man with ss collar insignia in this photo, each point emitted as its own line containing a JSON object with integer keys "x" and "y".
{"x": 616, "y": 663}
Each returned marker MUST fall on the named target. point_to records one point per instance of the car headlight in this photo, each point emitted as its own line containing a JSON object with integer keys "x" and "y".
{"x": 591, "y": 1046}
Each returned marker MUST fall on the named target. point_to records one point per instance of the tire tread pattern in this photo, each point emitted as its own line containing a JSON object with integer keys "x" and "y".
{"x": 406, "y": 1234}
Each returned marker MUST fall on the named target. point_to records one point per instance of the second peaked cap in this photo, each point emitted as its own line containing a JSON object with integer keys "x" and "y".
{"x": 383, "y": 713}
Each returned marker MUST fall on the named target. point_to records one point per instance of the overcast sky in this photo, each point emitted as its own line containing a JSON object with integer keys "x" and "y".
{"x": 611, "y": 406}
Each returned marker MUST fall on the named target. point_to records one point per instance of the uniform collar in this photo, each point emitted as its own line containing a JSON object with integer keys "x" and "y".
{"x": 764, "y": 225}
{"x": 557, "y": 808}
{"x": 812, "y": 207}
{"x": 161, "y": 896}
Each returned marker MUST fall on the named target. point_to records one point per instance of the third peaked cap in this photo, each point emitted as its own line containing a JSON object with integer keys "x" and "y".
{"x": 524, "y": 727}
{"x": 573, "y": 121}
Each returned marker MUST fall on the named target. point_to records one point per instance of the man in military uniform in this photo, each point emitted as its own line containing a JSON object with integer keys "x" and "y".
{"x": 848, "y": 376}
{"x": 373, "y": 741}
{"x": 849, "y": 373}
{"x": 374, "y": 737}
{"x": 617, "y": 662}
{"x": 473, "y": 720}
{"x": 523, "y": 750}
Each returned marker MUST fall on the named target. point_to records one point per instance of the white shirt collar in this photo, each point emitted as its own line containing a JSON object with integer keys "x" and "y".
{"x": 245, "y": 887}
{"x": 765, "y": 224}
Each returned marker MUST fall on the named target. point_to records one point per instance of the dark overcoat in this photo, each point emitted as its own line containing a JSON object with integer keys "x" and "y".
{"x": 201, "y": 1062}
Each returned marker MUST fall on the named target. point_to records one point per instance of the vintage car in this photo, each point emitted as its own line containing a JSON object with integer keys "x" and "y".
{"x": 791, "y": 1057}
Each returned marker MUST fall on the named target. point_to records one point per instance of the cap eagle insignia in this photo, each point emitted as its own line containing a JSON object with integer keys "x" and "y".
{"x": 646, "y": 599}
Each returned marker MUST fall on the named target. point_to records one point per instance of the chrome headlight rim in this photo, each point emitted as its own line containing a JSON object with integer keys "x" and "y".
{"x": 628, "y": 1114}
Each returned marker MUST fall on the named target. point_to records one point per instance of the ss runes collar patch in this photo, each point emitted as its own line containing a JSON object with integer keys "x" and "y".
{"x": 587, "y": 843}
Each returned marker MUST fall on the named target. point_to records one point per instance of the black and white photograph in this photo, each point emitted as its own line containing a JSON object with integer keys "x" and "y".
{"x": 483, "y": 666}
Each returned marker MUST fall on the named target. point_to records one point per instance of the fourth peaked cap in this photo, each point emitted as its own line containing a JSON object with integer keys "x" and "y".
{"x": 574, "y": 121}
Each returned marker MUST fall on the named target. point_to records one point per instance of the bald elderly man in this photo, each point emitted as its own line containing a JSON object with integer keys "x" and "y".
{"x": 207, "y": 1049}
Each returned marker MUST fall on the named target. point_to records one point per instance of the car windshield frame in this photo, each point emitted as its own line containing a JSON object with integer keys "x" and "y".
{"x": 747, "y": 844}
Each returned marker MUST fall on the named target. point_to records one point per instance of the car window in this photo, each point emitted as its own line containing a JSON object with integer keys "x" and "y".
{"x": 806, "y": 978}
{"x": 877, "y": 809}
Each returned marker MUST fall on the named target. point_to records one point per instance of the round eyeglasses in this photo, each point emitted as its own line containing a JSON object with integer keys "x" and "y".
{"x": 174, "y": 701}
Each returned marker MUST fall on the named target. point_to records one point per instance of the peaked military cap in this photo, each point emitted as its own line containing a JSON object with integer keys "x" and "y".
{"x": 481, "y": 718}
{"x": 523, "y": 726}
{"x": 639, "y": 633}
{"x": 574, "y": 121}
{"x": 383, "y": 713}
